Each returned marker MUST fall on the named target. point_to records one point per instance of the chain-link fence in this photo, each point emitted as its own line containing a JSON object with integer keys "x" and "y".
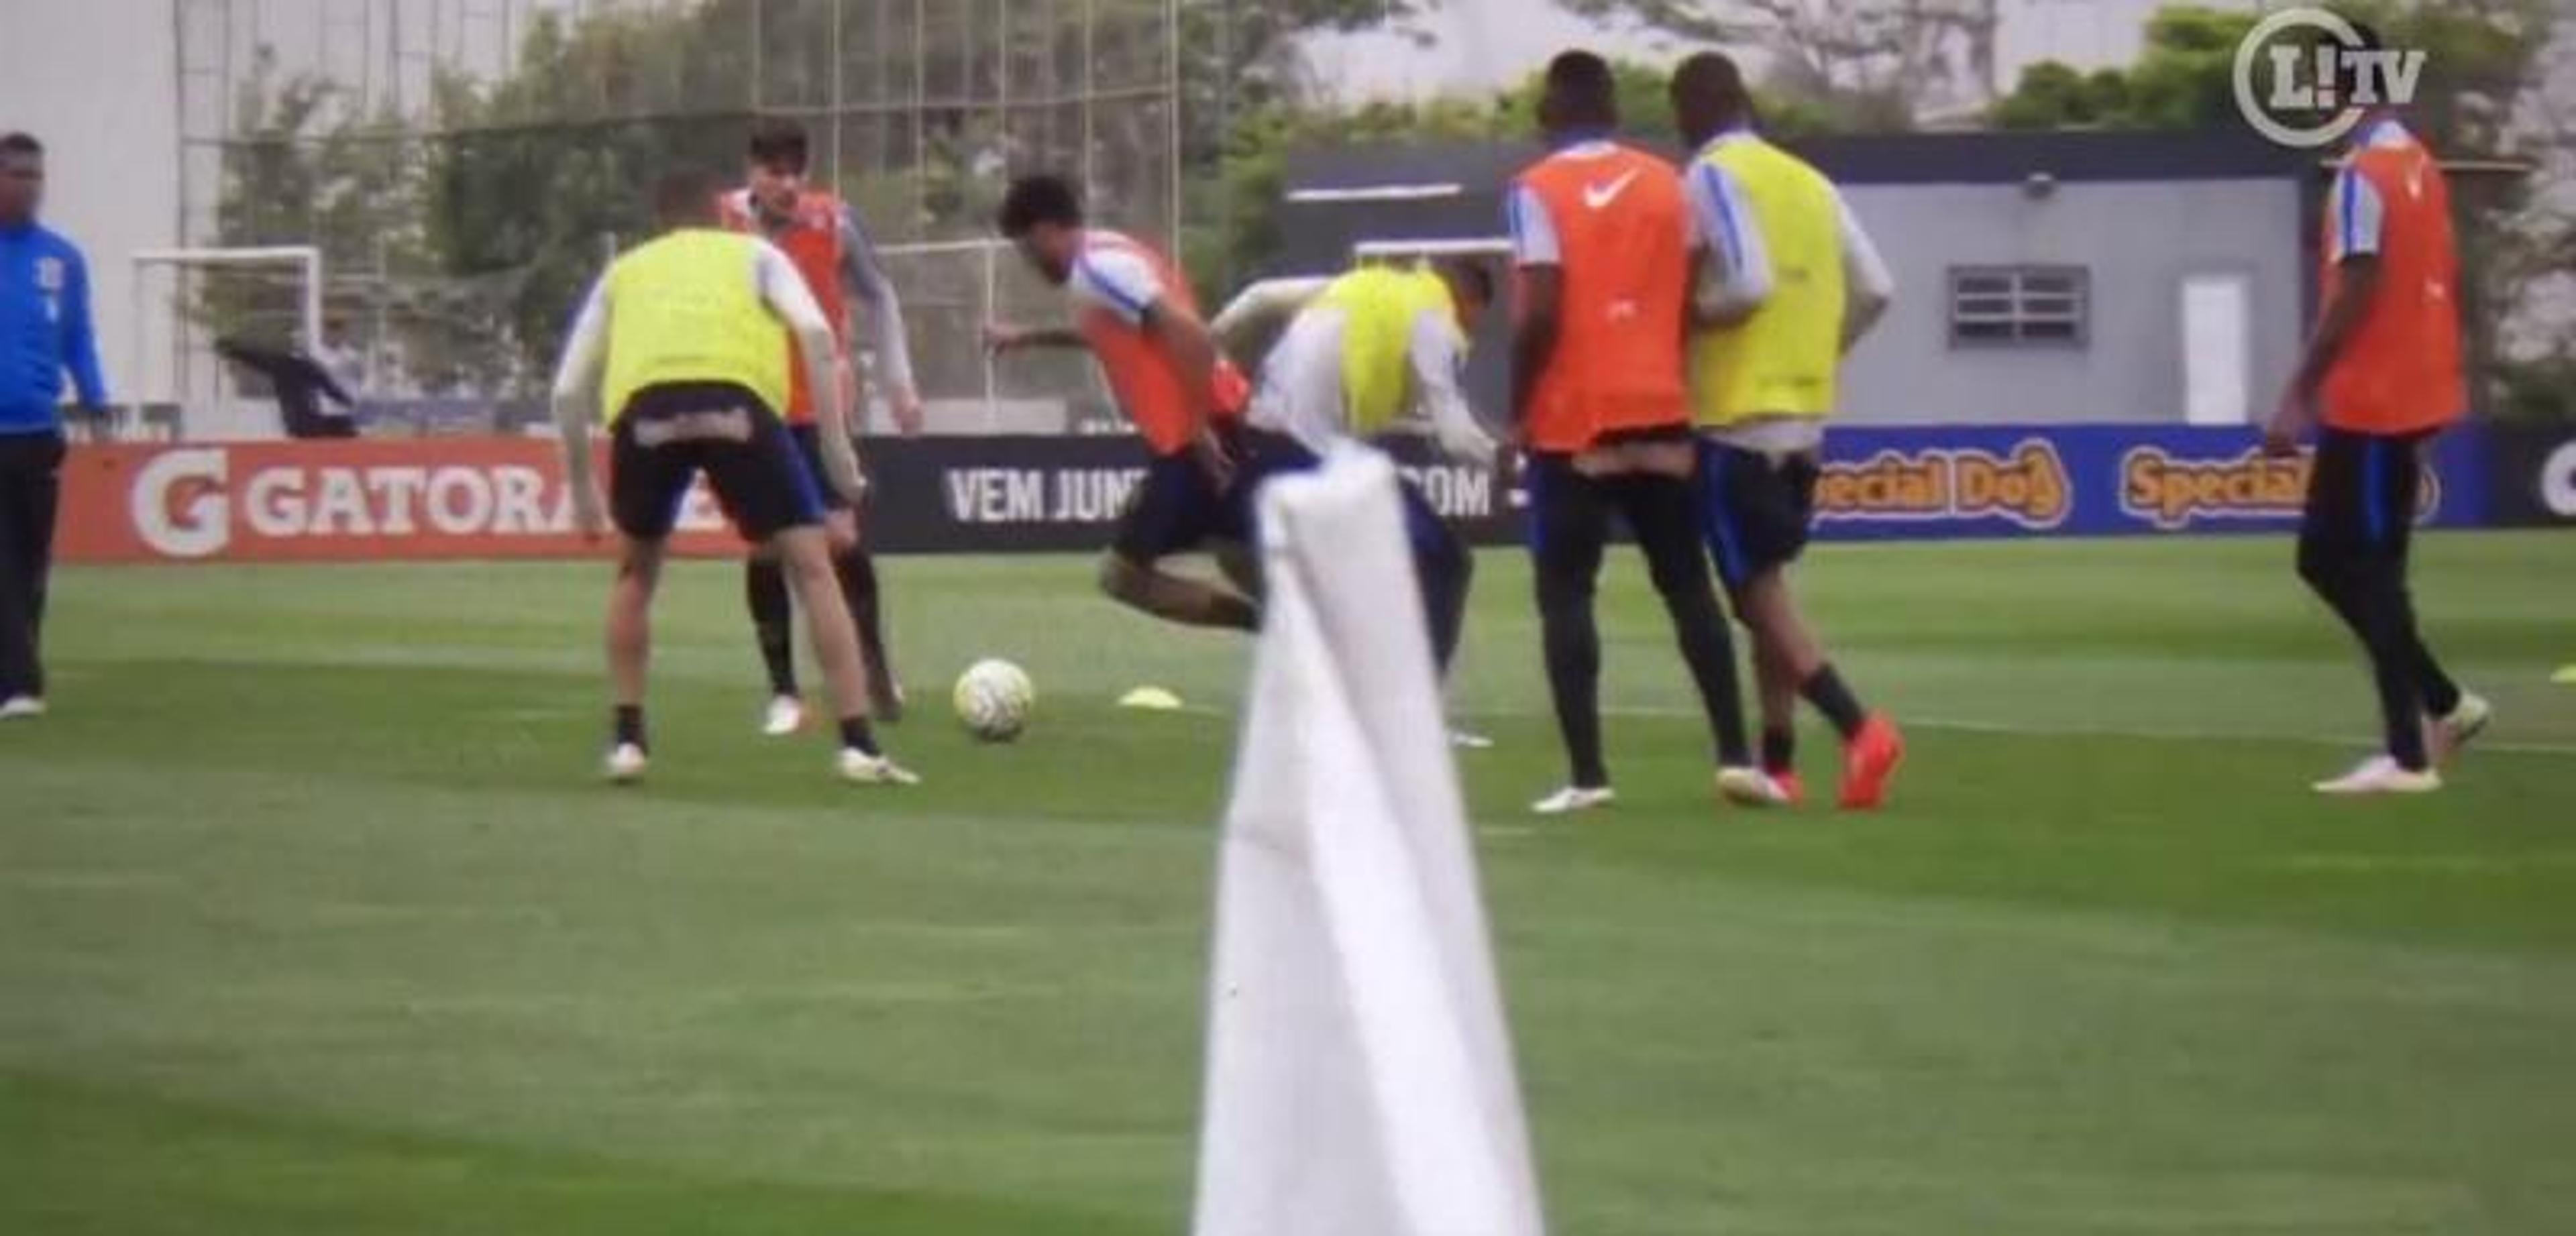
{"x": 463, "y": 167}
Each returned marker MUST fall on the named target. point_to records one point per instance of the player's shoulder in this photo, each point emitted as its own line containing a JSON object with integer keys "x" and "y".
{"x": 1104, "y": 243}
{"x": 1119, "y": 259}
{"x": 1589, "y": 162}
{"x": 62, "y": 248}
{"x": 821, "y": 206}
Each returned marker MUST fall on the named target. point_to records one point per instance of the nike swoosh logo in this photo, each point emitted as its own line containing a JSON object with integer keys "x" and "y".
{"x": 1600, "y": 196}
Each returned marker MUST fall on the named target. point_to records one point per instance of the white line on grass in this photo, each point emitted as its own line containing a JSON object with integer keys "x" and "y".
{"x": 1968, "y": 726}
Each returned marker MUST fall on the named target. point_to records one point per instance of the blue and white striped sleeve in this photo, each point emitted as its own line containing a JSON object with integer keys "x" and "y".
{"x": 1533, "y": 230}
{"x": 2358, "y": 214}
{"x": 1119, "y": 282}
{"x": 1737, "y": 271}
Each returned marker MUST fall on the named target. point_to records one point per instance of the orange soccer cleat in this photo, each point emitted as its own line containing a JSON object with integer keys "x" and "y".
{"x": 1869, "y": 763}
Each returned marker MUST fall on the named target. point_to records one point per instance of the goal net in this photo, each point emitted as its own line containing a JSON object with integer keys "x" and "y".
{"x": 950, "y": 291}
{"x": 188, "y": 299}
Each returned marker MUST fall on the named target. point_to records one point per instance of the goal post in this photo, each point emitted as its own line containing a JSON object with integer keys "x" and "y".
{"x": 172, "y": 359}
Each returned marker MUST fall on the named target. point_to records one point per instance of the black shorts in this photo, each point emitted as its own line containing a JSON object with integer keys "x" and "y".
{"x": 1176, "y": 509}
{"x": 670, "y": 433}
{"x": 1268, "y": 455}
{"x": 1571, "y": 518}
{"x": 2362, "y": 492}
{"x": 1756, "y": 509}
{"x": 809, "y": 448}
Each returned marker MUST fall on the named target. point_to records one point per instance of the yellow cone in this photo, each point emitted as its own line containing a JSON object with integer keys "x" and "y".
{"x": 1151, "y": 699}
{"x": 2565, "y": 677}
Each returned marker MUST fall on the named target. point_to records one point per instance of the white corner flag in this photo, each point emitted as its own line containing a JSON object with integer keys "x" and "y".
{"x": 1359, "y": 1076}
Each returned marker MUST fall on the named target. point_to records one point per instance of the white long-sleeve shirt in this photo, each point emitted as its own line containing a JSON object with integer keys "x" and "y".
{"x": 773, "y": 276}
{"x": 1736, "y": 275}
{"x": 1301, "y": 392}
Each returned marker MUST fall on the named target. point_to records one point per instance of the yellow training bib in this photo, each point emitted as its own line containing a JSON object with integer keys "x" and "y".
{"x": 1782, "y": 360}
{"x": 1379, "y": 306}
{"x": 683, "y": 308}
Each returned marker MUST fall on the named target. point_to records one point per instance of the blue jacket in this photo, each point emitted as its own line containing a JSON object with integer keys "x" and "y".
{"x": 44, "y": 329}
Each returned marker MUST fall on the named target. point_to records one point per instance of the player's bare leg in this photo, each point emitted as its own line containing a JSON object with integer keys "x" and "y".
{"x": 1786, "y": 650}
{"x": 807, "y": 554}
{"x": 1173, "y": 598}
{"x": 630, "y": 650}
{"x": 1241, "y": 566}
{"x": 1776, "y": 686}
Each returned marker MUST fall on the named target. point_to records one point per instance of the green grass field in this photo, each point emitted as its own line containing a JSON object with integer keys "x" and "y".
{"x": 313, "y": 917}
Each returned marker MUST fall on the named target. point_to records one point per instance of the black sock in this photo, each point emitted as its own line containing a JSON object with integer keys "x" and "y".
{"x": 858, "y": 735}
{"x": 630, "y": 725}
{"x": 773, "y": 620}
{"x": 1826, "y": 691}
{"x": 858, "y": 573}
{"x": 1779, "y": 750}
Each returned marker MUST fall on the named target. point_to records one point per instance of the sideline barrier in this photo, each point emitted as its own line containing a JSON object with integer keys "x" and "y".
{"x": 504, "y": 498}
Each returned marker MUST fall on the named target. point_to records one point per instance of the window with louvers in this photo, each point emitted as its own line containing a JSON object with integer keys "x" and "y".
{"x": 2020, "y": 306}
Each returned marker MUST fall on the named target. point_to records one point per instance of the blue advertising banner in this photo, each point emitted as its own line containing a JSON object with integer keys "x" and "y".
{"x": 2095, "y": 480}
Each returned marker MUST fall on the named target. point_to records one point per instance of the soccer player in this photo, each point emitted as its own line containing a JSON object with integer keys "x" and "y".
{"x": 1602, "y": 236}
{"x": 1361, "y": 351}
{"x": 688, "y": 334}
{"x": 1788, "y": 283}
{"x": 824, "y": 237}
{"x": 44, "y": 330}
{"x": 1135, "y": 312}
{"x": 2383, "y": 372}
{"x": 300, "y": 384}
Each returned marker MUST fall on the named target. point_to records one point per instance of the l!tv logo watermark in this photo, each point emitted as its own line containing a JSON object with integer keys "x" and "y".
{"x": 2305, "y": 76}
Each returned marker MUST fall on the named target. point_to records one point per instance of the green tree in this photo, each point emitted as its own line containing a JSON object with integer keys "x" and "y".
{"x": 301, "y": 171}
{"x": 2484, "y": 95}
{"x": 1872, "y": 64}
{"x": 1248, "y": 236}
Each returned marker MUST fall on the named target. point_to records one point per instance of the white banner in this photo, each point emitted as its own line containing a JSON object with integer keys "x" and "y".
{"x": 1360, "y": 1078}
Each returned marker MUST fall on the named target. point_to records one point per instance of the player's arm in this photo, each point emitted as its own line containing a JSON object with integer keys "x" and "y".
{"x": 330, "y": 384}
{"x": 864, "y": 275}
{"x": 79, "y": 340}
{"x": 784, "y": 291}
{"x": 2358, "y": 211}
{"x": 1263, "y": 303}
{"x": 1128, "y": 287}
{"x": 1436, "y": 358}
{"x": 1009, "y": 337}
{"x": 1734, "y": 266}
{"x": 1537, "y": 313}
{"x": 576, "y": 405}
{"x": 1868, "y": 287}
{"x": 1185, "y": 341}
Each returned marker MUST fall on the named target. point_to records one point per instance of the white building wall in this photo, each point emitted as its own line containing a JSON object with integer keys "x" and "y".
{"x": 95, "y": 82}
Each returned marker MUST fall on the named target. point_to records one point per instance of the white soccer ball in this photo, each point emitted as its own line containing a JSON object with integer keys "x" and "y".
{"x": 994, "y": 698}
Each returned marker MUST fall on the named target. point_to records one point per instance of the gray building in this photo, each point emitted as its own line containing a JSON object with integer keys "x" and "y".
{"x": 2044, "y": 277}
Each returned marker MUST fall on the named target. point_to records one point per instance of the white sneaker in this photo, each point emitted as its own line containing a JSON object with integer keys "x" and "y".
{"x": 1574, "y": 798}
{"x": 1465, "y": 740}
{"x": 21, "y": 708}
{"x": 860, "y": 768}
{"x": 626, "y": 763}
{"x": 1750, "y": 787}
{"x": 786, "y": 716}
{"x": 2464, "y": 722}
{"x": 2381, "y": 774}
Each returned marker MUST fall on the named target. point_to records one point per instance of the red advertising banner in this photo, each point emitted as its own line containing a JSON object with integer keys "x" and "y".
{"x": 336, "y": 502}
